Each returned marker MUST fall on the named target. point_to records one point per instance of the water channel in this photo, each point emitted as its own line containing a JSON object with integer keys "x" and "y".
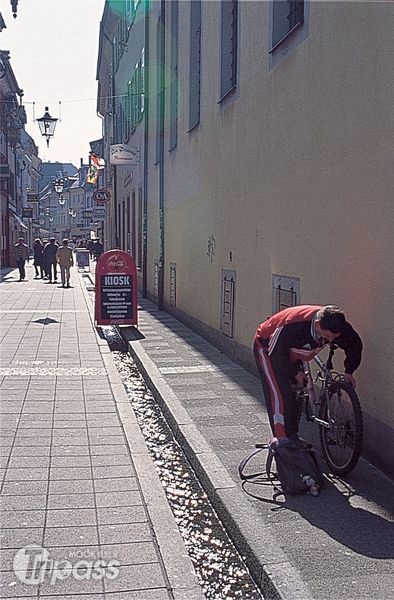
{"x": 221, "y": 572}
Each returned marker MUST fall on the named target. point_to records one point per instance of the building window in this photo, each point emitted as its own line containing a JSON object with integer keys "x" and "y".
{"x": 229, "y": 47}
{"x": 227, "y": 302}
{"x": 159, "y": 88}
{"x": 285, "y": 292}
{"x": 172, "y": 284}
{"x": 156, "y": 279}
{"x": 195, "y": 63}
{"x": 174, "y": 76}
{"x": 287, "y": 16}
{"x": 142, "y": 82}
{"x": 140, "y": 228}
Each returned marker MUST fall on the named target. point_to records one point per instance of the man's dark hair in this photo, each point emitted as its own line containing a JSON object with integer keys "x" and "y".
{"x": 332, "y": 318}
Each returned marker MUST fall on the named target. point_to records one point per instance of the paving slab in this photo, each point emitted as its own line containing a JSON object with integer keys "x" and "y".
{"x": 70, "y": 492}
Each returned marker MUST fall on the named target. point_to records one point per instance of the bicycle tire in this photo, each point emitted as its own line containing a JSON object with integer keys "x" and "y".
{"x": 341, "y": 444}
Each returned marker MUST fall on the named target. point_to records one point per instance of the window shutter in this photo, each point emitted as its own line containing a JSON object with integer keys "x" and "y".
{"x": 174, "y": 76}
{"x": 159, "y": 90}
{"x": 195, "y": 63}
{"x": 229, "y": 44}
{"x": 286, "y": 15}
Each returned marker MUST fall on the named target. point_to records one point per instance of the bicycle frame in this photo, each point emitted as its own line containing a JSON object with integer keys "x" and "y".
{"x": 325, "y": 377}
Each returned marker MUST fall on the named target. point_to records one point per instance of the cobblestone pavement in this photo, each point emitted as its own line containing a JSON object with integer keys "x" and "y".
{"x": 72, "y": 491}
{"x": 337, "y": 546}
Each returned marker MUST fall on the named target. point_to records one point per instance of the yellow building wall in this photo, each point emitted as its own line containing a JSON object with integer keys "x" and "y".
{"x": 292, "y": 175}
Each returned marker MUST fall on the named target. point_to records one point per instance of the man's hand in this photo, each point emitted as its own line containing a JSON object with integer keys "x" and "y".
{"x": 348, "y": 378}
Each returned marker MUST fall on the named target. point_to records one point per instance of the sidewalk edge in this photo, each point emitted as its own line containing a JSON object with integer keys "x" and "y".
{"x": 269, "y": 566}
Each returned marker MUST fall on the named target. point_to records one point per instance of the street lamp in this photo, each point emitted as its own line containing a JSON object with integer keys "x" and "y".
{"x": 47, "y": 125}
{"x": 58, "y": 184}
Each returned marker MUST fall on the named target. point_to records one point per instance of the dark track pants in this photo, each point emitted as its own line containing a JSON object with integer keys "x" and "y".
{"x": 284, "y": 410}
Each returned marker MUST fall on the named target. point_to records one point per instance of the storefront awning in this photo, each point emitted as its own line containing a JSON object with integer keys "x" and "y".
{"x": 18, "y": 219}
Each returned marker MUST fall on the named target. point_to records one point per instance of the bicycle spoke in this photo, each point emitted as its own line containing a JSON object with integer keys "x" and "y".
{"x": 341, "y": 442}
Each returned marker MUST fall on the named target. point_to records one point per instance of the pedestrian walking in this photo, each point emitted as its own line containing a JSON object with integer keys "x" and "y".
{"x": 98, "y": 249}
{"x": 49, "y": 254}
{"x": 64, "y": 257}
{"x": 44, "y": 263}
{"x": 38, "y": 260}
{"x": 89, "y": 246}
{"x": 21, "y": 253}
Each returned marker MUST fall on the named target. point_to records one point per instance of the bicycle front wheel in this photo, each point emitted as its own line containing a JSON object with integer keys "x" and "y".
{"x": 341, "y": 440}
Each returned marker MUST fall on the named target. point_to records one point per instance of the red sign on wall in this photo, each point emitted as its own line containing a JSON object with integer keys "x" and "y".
{"x": 116, "y": 289}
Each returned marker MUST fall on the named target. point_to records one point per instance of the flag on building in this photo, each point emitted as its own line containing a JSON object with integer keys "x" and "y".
{"x": 95, "y": 163}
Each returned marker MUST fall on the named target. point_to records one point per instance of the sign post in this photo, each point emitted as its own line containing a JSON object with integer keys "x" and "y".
{"x": 116, "y": 289}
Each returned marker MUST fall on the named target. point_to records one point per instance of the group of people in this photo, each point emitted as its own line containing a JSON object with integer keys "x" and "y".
{"x": 46, "y": 256}
{"x": 95, "y": 248}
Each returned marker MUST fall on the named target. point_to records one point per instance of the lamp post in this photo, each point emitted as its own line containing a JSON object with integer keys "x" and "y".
{"x": 47, "y": 125}
{"x": 58, "y": 185}
{"x": 62, "y": 201}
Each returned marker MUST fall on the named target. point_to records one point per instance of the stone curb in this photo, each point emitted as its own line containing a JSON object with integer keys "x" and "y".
{"x": 177, "y": 563}
{"x": 268, "y": 564}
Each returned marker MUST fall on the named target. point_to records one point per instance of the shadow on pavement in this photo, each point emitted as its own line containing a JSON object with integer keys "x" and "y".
{"x": 344, "y": 516}
{"x": 46, "y": 321}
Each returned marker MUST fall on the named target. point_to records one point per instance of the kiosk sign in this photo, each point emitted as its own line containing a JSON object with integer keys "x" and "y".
{"x": 116, "y": 289}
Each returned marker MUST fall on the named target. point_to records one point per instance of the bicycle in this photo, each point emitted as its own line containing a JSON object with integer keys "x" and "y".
{"x": 337, "y": 411}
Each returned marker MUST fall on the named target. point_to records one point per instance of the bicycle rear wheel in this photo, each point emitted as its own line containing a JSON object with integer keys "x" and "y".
{"x": 341, "y": 442}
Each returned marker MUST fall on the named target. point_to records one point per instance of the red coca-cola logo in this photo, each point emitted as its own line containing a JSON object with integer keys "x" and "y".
{"x": 116, "y": 263}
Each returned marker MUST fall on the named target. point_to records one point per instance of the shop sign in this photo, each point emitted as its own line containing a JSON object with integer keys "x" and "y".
{"x": 27, "y": 213}
{"x": 101, "y": 197}
{"x": 99, "y": 214}
{"x": 116, "y": 289}
{"x": 123, "y": 154}
{"x": 4, "y": 170}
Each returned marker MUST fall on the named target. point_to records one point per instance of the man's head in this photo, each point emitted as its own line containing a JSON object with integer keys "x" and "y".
{"x": 330, "y": 322}
{"x": 52, "y": 240}
{"x": 21, "y": 240}
{"x": 65, "y": 242}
